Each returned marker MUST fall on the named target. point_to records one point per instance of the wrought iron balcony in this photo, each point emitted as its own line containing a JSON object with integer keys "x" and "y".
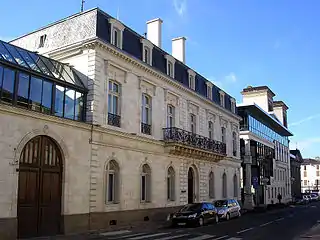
{"x": 182, "y": 142}
{"x": 146, "y": 128}
{"x": 114, "y": 120}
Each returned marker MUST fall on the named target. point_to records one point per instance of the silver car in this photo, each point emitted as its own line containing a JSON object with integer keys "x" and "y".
{"x": 228, "y": 208}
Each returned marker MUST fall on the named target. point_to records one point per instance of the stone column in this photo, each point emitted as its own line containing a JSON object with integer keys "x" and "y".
{"x": 248, "y": 201}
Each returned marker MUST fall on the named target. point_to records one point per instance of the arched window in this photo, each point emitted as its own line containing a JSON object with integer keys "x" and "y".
{"x": 146, "y": 183}
{"x": 171, "y": 184}
{"x": 235, "y": 186}
{"x": 211, "y": 185}
{"x": 234, "y": 143}
{"x": 112, "y": 182}
{"x": 224, "y": 186}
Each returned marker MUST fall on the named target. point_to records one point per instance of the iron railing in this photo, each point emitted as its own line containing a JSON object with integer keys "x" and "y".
{"x": 177, "y": 135}
{"x": 146, "y": 128}
{"x": 114, "y": 120}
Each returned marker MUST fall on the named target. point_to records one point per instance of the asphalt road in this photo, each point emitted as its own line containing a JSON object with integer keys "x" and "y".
{"x": 284, "y": 224}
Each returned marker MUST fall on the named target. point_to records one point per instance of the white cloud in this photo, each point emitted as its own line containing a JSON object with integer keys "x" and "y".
{"x": 180, "y": 6}
{"x": 304, "y": 120}
{"x": 231, "y": 78}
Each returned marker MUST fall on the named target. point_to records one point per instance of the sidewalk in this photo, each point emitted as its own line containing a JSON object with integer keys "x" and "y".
{"x": 313, "y": 233}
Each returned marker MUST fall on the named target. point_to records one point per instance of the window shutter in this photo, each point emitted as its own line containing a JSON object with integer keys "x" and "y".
{"x": 148, "y": 188}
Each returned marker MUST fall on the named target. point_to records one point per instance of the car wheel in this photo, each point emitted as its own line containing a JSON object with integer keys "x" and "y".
{"x": 201, "y": 221}
{"x": 216, "y": 219}
{"x": 228, "y": 217}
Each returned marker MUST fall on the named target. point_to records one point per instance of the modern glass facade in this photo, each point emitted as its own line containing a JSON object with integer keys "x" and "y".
{"x": 37, "y": 83}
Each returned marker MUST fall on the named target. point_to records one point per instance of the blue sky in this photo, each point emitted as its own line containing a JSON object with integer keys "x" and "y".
{"x": 234, "y": 43}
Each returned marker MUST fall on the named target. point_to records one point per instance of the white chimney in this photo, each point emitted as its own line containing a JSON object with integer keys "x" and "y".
{"x": 179, "y": 48}
{"x": 154, "y": 31}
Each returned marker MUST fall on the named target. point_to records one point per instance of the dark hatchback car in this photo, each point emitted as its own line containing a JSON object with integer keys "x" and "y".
{"x": 195, "y": 214}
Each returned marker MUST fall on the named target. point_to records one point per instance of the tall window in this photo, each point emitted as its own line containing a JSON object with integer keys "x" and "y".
{"x": 222, "y": 102}
{"x": 146, "y": 183}
{"x": 170, "y": 69}
{"x": 209, "y": 91}
{"x": 211, "y": 185}
{"x": 224, "y": 186}
{"x": 305, "y": 173}
{"x": 116, "y": 37}
{"x": 112, "y": 182}
{"x": 235, "y": 186}
{"x": 193, "y": 123}
{"x": 147, "y": 55}
{"x": 233, "y": 106}
{"x": 114, "y": 103}
{"x": 210, "y": 129}
{"x": 170, "y": 116}
{"x": 146, "y": 114}
{"x": 234, "y": 144}
{"x": 223, "y": 134}
{"x": 171, "y": 184}
{"x": 192, "y": 82}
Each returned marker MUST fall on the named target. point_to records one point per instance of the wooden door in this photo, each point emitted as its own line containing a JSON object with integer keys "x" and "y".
{"x": 39, "y": 189}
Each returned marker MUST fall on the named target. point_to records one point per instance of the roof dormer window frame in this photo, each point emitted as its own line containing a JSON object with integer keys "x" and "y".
{"x": 233, "y": 105}
{"x": 170, "y": 65}
{"x": 117, "y": 28}
{"x": 209, "y": 89}
{"x": 192, "y": 79}
{"x": 222, "y": 98}
{"x": 146, "y": 45}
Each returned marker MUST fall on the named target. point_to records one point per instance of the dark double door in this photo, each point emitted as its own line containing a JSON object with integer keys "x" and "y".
{"x": 39, "y": 188}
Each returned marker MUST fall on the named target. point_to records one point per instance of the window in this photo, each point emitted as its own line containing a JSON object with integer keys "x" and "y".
{"x": 270, "y": 105}
{"x": 170, "y": 69}
{"x": 170, "y": 116}
{"x": 146, "y": 183}
{"x": 193, "y": 123}
{"x": 234, "y": 144}
{"x": 224, "y": 186}
{"x": 222, "y": 100}
{"x": 305, "y": 173}
{"x": 305, "y": 182}
{"x": 192, "y": 79}
{"x": 209, "y": 90}
{"x": 116, "y": 32}
{"x": 235, "y": 186}
{"x": 233, "y": 105}
{"x": 147, "y": 55}
{"x": 43, "y": 39}
{"x": 147, "y": 47}
{"x": 171, "y": 184}
{"x": 170, "y": 65}
{"x": 210, "y": 129}
{"x": 211, "y": 185}
{"x": 318, "y": 173}
{"x": 146, "y": 114}
{"x": 112, "y": 182}
{"x": 114, "y": 103}
{"x": 223, "y": 134}
{"x": 23, "y": 90}
{"x": 8, "y": 85}
{"x": 305, "y": 168}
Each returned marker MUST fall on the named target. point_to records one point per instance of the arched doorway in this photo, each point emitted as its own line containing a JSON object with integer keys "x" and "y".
{"x": 191, "y": 185}
{"x": 39, "y": 188}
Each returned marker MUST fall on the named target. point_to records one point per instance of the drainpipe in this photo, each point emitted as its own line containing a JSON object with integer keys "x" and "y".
{"x": 89, "y": 210}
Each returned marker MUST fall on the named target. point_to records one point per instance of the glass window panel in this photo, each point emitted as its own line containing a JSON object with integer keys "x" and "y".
{"x": 51, "y": 66}
{"x": 109, "y": 103}
{"x": 35, "y": 93}
{"x": 143, "y": 188}
{"x": 69, "y": 103}
{"x": 23, "y": 90}
{"x": 59, "y": 99}
{"x": 79, "y": 106}
{"x": 28, "y": 59}
{"x": 16, "y": 55}
{"x": 110, "y": 187}
{"x": 36, "y": 58}
{"x": 115, "y": 87}
{"x": 5, "y": 54}
{"x": 115, "y": 105}
{"x": 1, "y": 76}
{"x": 8, "y": 85}
{"x": 47, "y": 97}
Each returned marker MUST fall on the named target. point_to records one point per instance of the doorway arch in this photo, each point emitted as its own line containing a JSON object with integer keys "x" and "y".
{"x": 192, "y": 184}
{"x": 39, "y": 188}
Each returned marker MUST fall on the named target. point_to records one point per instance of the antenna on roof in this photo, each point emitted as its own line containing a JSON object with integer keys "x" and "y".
{"x": 82, "y": 4}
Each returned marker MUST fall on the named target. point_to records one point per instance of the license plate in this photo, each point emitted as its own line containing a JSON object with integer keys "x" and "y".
{"x": 181, "y": 224}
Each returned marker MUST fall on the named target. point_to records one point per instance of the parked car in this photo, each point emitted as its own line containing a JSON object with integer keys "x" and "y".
{"x": 314, "y": 197}
{"x": 228, "y": 208}
{"x": 195, "y": 214}
{"x": 307, "y": 198}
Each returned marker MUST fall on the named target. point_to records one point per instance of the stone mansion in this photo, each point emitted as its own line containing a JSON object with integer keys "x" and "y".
{"x": 100, "y": 127}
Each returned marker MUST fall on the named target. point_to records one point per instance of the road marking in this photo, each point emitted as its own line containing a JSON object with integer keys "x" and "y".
{"x": 279, "y": 219}
{"x": 114, "y": 233}
{"x": 173, "y": 237}
{"x": 245, "y": 230}
{"x": 221, "y": 237}
{"x": 234, "y": 238}
{"x": 265, "y": 224}
{"x": 203, "y": 237}
{"x": 148, "y": 236}
{"x": 127, "y": 236}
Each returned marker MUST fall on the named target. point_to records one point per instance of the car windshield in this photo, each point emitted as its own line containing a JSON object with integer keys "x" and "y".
{"x": 191, "y": 207}
{"x": 221, "y": 203}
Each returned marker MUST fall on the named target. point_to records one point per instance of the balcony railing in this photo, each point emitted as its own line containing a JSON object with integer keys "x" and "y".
{"x": 180, "y": 136}
{"x": 146, "y": 128}
{"x": 114, "y": 120}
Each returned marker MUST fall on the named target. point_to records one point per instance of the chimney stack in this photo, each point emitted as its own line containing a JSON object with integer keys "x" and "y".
{"x": 154, "y": 31}
{"x": 179, "y": 48}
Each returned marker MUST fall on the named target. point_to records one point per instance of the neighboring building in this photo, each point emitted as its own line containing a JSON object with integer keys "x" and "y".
{"x": 157, "y": 134}
{"x": 310, "y": 175}
{"x": 264, "y": 148}
{"x": 295, "y": 164}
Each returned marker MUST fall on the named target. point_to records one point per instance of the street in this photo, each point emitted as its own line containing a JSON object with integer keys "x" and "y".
{"x": 284, "y": 224}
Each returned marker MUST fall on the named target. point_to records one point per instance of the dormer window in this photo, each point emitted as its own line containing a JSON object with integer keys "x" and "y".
{"x": 233, "y": 105}
{"x": 209, "y": 90}
{"x": 116, "y": 32}
{"x": 192, "y": 79}
{"x": 222, "y": 102}
{"x": 147, "y": 47}
{"x": 270, "y": 105}
{"x": 170, "y": 65}
{"x": 43, "y": 39}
